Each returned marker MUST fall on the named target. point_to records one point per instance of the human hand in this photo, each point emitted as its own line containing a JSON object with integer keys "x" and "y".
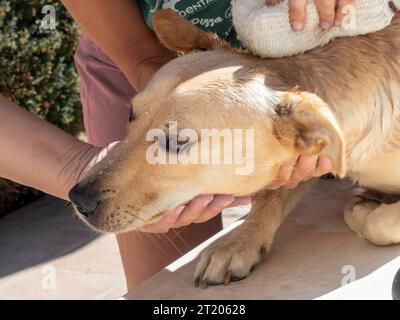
{"x": 199, "y": 210}
{"x": 331, "y": 12}
{"x": 206, "y": 207}
{"x": 301, "y": 169}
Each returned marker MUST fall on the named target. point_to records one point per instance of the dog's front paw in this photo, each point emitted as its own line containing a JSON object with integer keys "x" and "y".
{"x": 357, "y": 210}
{"x": 228, "y": 261}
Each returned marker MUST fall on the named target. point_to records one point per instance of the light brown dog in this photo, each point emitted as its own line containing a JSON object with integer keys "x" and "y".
{"x": 346, "y": 105}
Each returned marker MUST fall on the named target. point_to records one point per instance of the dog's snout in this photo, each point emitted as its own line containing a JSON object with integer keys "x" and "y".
{"x": 84, "y": 200}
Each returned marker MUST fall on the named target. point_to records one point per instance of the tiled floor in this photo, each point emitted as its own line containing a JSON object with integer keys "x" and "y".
{"x": 47, "y": 253}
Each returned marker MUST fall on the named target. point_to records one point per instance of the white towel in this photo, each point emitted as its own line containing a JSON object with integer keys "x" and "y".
{"x": 266, "y": 32}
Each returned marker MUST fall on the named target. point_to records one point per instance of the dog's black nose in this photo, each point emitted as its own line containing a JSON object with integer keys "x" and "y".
{"x": 84, "y": 200}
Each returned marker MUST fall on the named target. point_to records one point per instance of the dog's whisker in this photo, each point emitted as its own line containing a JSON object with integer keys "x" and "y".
{"x": 137, "y": 217}
{"x": 150, "y": 236}
{"x": 66, "y": 207}
{"x": 186, "y": 244}
{"x": 164, "y": 236}
{"x": 135, "y": 235}
{"x": 143, "y": 235}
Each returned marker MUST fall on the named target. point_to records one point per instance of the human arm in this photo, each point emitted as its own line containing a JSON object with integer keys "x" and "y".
{"x": 38, "y": 154}
{"x": 119, "y": 29}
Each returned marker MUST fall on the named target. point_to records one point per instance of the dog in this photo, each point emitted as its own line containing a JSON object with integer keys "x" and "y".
{"x": 342, "y": 101}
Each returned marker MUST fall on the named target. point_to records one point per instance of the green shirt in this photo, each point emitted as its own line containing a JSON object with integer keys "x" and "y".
{"x": 209, "y": 15}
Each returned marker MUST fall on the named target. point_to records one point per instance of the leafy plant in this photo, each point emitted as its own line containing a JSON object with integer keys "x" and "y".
{"x": 37, "y": 70}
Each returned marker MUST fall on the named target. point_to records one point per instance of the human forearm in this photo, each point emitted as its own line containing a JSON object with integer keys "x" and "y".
{"x": 119, "y": 29}
{"x": 37, "y": 154}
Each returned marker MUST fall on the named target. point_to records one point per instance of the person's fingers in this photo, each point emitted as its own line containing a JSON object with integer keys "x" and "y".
{"x": 298, "y": 14}
{"x": 343, "y": 10}
{"x": 193, "y": 210}
{"x": 201, "y": 209}
{"x": 284, "y": 174}
{"x": 324, "y": 166}
{"x": 196, "y": 210}
{"x": 219, "y": 203}
{"x": 240, "y": 201}
{"x": 327, "y": 12}
{"x": 165, "y": 224}
{"x": 303, "y": 171}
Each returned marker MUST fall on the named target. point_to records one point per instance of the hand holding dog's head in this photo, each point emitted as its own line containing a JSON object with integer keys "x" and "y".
{"x": 221, "y": 89}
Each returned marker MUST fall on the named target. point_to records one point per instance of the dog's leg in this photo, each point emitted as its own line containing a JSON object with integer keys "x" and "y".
{"x": 233, "y": 257}
{"x": 373, "y": 220}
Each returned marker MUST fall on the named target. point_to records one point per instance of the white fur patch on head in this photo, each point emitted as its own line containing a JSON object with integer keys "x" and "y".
{"x": 266, "y": 31}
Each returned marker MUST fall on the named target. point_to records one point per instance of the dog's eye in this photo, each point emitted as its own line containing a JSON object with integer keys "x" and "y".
{"x": 175, "y": 145}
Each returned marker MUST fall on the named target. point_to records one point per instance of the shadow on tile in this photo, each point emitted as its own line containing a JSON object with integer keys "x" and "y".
{"x": 44, "y": 230}
{"x": 311, "y": 256}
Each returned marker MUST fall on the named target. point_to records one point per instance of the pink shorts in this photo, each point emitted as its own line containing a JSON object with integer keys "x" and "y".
{"x": 105, "y": 94}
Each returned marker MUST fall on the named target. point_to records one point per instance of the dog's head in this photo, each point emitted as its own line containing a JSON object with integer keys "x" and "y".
{"x": 208, "y": 122}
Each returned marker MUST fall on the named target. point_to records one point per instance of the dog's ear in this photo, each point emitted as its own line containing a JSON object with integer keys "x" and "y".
{"x": 304, "y": 121}
{"x": 179, "y": 35}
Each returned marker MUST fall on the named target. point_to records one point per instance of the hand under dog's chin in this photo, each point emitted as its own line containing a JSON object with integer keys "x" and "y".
{"x": 131, "y": 225}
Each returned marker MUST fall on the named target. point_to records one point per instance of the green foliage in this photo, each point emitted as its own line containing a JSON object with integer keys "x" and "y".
{"x": 36, "y": 65}
{"x": 38, "y": 73}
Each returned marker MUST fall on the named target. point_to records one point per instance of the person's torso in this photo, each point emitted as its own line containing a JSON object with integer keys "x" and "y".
{"x": 209, "y": 15}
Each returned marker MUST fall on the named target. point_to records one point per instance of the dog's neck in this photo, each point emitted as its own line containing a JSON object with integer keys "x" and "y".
{"x": 359, "y": 78}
